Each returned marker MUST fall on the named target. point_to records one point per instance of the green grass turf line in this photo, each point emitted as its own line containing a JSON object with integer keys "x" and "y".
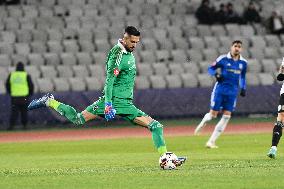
{"x": 240, "y": 162}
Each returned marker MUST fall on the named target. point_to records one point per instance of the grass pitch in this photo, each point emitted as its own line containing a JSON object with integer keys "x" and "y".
{"x": 240, "y": 162}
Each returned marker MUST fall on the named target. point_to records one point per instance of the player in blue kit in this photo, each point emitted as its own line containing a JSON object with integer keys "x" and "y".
{"x": 232, "y": 76}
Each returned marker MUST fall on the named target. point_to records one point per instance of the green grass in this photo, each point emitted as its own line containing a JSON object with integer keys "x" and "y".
{"x": 240, "y": 162}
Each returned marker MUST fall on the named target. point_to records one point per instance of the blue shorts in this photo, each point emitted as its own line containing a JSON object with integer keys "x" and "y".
{"x": 223, "y": 102}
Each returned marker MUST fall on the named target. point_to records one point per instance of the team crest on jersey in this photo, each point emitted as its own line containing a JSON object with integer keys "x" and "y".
{"x": 228, "y": 64}
{"x": 116, "y": 71}
{"x": 240, "y": 66}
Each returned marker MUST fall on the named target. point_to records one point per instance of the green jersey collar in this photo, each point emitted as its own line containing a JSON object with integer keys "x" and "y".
{"x": 121, "y": 46}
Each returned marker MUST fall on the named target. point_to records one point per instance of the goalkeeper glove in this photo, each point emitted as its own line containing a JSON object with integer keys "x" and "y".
{"x": 109, "y": 111}
{"x": 280, "y": 77}
{"x": 243, "y": 92}
{"x": 218, "y": 77}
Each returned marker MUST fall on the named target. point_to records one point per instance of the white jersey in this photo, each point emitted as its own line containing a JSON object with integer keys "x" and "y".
{"x": 282, "y": 89}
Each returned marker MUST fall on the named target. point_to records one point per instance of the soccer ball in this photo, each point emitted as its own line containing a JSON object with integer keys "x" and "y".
{"x": 168, "y": 161}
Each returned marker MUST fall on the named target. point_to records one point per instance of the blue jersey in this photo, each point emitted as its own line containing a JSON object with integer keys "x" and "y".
{"x": 233, "y": 74}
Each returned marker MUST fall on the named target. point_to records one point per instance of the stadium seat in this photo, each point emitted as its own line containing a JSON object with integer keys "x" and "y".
{"x": 191, "y": 67}
{"x": 161, "y": 21}
{"x": 272, "y": 41}
{"x": 75, "y": 10}
{"x": 254, "y": 66}
{"x": 196, "y": 43}
{"x": 160, "y": 69}
{"x": 203, "y": 30}
{"x": 61, "y": 84}
{"x": 225, "y": 41}
{"x": 38, "y": 47}
{"x": 73, "y": 23}
{"x": 68, "y": 59}
{"x": 54, "y": 35}
{"x": 70, "y": 46}
{"x": 102, "y": 45}
{"x": 177, "y": 20}
{"x": 30, "y": 11}
{"x": 3, "y": 73}
{"x": 90, "y": 11}
{"x": 271, "y": 52}
{"x": 86, "y": 46}
{"x": 22, "y": 48}
{"x": 218, "y": 30}
{"x": 19, "y": 58}
{"x": 51, "y": 59}
{"x": 48, "y": 71}
{"x": 180, "y": 43}
{"x": 6, "y": 48}
{"x": 257, "y": 41}
{"x": 205, "y": 80}
{"x": 149, "y": 44}
{"x": 233, "y": 29}
{"x": 48, "y": 3}
{"x": 65, "y": 71}
{"x": 145, "y": 69}
{"x": 210, "y": 54}
{"x": 142, "y": 82}
{"x": 24, "y": 36}
{"x": 11, "y": 24}
{"x": 204, "y": 66}
{"x": 35, "y": 59}
{"x": 148, "y": 9}
{"x": 84, "y": 58}
{"x": 45, "y": 11}
{"x": 97, "y": 71}
{"x": 69, "y": 33}
{"x": 256, "y": 53}
{"x": 77, "y": 84}
{"x": 266, "y": 78}
{"x": 195, "y": 55}
{"x": 33, "y": 71}
{"x": 80, "y": 71}
{"x": 211, "y": 42}
{"x": 269, "y": 66}
{"x": 176, "y": 69}
{"x": 179, "y": 56}
{"x": 8, "y": 37}
{"x": 165, "y": 44}
{"x": 93, "y": 84}
{"x": 45, "y": 85}
{"x": 173, "y": 81}
{"x": 163, "y": 55}
{"x": 85, "y": 34}
{"x": 179, "y": 8}
{"x": 59, "y": 11}
{"x": 5, "y": 60}
{"x": 99, "y": 58}
{"x": 39, "y": 35}
{"x": 27, "y": 23}
{"x": 148, "y": 56}
{"x": 247, "y": 30}
{"x": 64, "y": 2}
{"x": 174, "y": 31}
{"x": 54, "y": 47}
{"x": 189, "y": 80}
{"x": 158, "y": 82}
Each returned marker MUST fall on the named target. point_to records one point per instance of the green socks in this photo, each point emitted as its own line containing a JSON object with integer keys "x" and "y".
{"x": 68, "y": 111}
{"x": 158, "y": 137}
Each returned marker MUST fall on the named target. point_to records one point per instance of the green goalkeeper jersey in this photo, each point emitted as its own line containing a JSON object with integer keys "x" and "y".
{"x": 120, "y": 74}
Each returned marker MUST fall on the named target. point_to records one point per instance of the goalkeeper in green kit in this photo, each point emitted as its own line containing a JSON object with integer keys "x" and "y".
{"x": 117, "y": 96}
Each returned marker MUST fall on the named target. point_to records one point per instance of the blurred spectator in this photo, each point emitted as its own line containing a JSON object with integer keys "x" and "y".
{"x": 251, "y": 14}
{"x": 222, "y": 14}
{"x": 9, "y": 2}
{"x": 205, "y": 14}
{"x": 232, "y": 16}
{"x": 275, "y": 23}
{"x": 19, "y": 86}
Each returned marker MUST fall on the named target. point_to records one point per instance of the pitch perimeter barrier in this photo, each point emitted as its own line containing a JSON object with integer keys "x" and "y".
{"x": 159, "y": 103}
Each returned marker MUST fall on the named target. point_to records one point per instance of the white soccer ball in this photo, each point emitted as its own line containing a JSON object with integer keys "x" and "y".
{"x": 168, "y": 161}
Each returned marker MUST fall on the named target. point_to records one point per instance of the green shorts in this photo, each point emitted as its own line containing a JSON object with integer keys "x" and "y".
{"x": 124, "y": 108}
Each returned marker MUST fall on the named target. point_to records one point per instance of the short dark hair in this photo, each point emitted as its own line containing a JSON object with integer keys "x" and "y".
{"x": 237, "y": 41}
{"x": 131, "y": 30}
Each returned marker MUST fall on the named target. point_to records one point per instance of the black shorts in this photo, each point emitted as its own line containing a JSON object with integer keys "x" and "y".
{"x": 281, "y": 104}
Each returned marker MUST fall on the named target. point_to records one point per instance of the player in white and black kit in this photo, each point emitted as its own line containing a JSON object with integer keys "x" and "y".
{"x": 277, "y": 130}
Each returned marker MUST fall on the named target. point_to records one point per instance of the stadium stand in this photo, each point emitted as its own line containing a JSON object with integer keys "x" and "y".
{"x": 66, "y": 41}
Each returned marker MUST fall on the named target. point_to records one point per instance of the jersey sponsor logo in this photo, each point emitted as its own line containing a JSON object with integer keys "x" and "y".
{"x": 234, "y": 71}
{"x": 116, "y": 71}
